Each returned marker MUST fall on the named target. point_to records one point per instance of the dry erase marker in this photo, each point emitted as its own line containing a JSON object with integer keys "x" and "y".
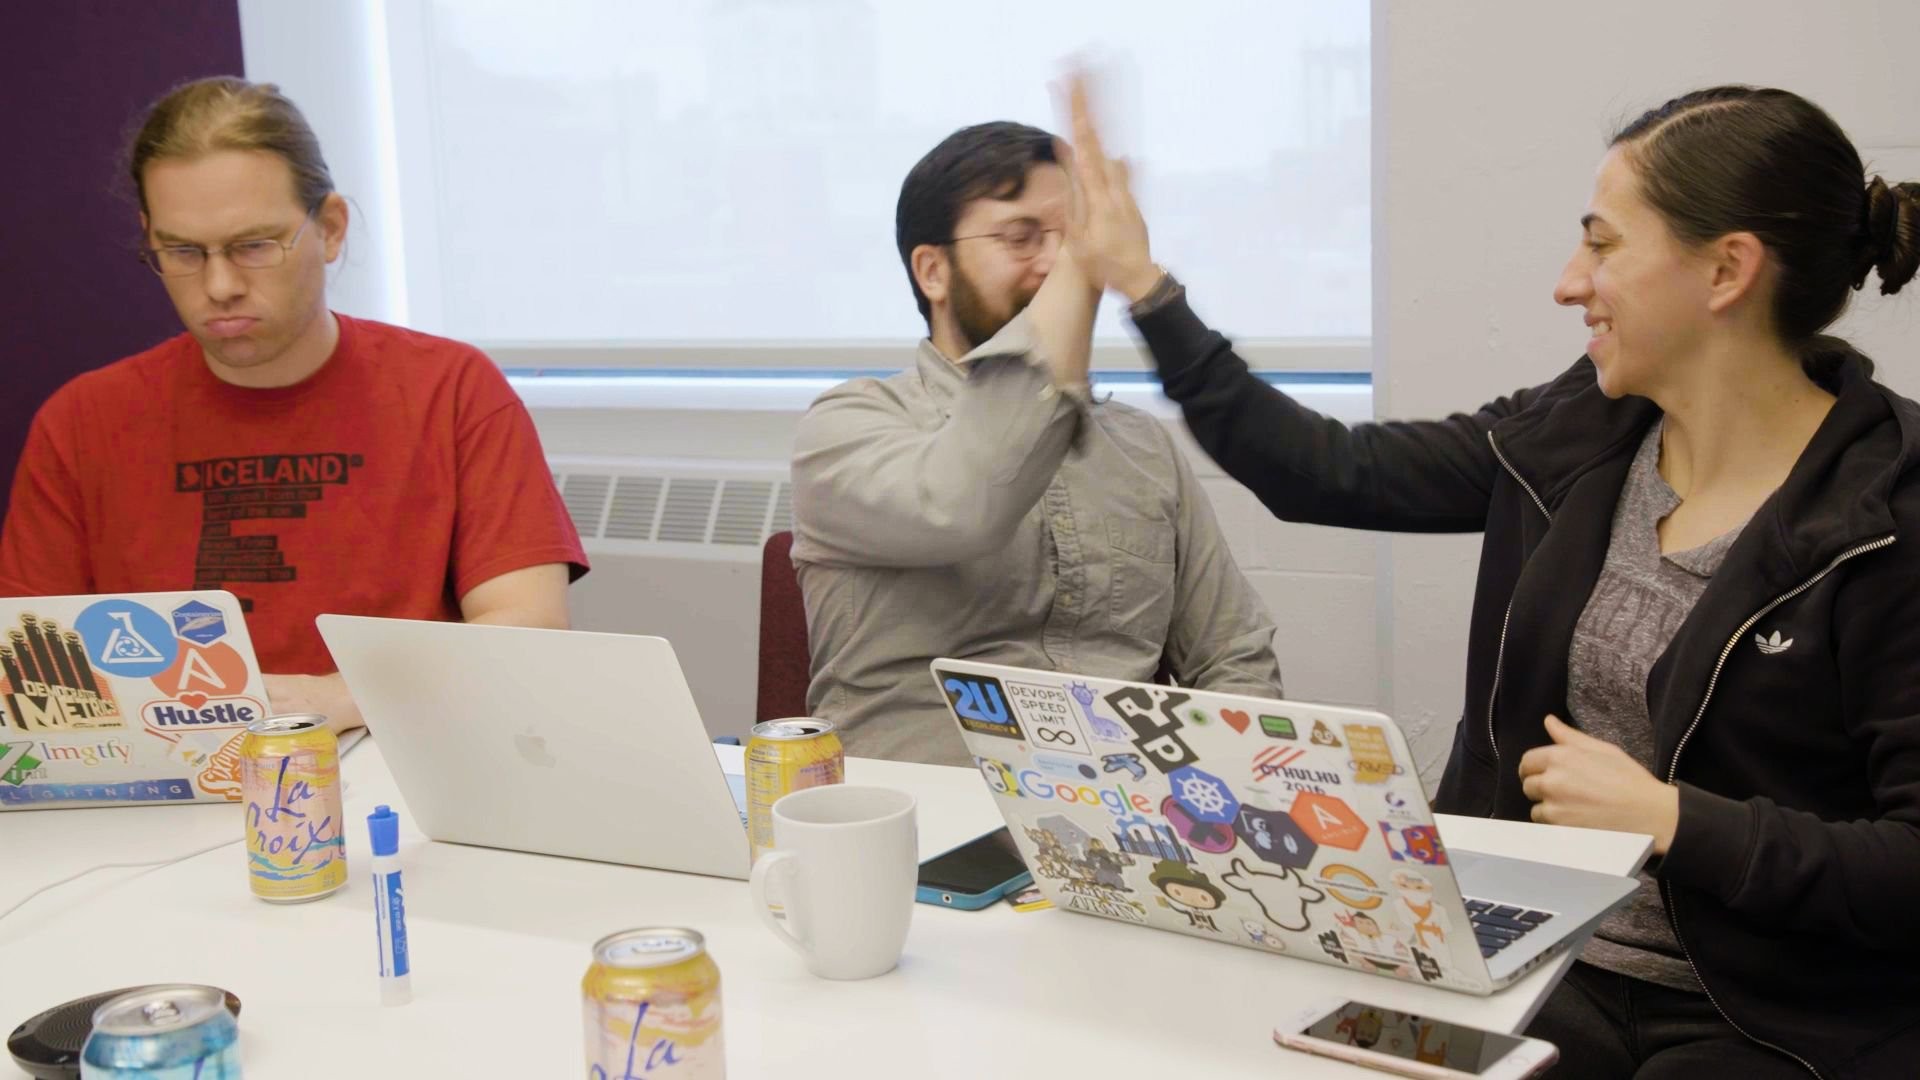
{"x": 389, "y": 908}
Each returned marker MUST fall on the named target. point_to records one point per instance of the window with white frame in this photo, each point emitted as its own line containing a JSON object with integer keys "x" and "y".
{"x": 713, "y": 181}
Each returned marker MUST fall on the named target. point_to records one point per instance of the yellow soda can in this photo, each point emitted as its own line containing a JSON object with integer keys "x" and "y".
{"x": 651, "y": 1000}
{"x": 784, "y": 756}
{"x": 290, "y": 785}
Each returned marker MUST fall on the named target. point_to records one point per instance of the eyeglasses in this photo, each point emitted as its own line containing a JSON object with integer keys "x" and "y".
{"x": 1023, "y": 238}
{"x": 186, "y": 260}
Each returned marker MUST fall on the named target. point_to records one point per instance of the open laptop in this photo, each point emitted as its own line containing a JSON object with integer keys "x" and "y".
{"x": 559, "y": 742}
{"x": 1278, "y": 825}
{"x": 134, "y": 698}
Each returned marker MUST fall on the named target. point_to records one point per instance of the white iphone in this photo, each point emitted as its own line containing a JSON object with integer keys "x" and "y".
{"x": 1419, "y": 1046}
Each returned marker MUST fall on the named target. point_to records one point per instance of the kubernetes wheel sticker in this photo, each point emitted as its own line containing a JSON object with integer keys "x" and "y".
{"x": 981, "y": 704}
{"x": 202, "y": 624}
{"x": 1203, "y": 796}
{"x": 127, "y": 639}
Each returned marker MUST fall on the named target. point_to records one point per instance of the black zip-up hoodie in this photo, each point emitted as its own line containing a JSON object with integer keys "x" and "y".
{"x": 1786, "y": 709}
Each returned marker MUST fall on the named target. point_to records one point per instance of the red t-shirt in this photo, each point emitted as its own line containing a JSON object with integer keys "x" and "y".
{"x": 391, "y": 482}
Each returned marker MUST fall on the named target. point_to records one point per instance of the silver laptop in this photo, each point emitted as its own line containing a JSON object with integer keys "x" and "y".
{"x": 129, "y": 698}
{"x": 559, "y": 742}
{"x": 1277, "y": 825}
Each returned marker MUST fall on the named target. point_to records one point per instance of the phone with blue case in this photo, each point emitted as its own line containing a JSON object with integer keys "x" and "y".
{"x": 975, "y": 874}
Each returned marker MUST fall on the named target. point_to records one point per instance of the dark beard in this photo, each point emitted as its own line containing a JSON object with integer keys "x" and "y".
{"x": 977, "y": 321}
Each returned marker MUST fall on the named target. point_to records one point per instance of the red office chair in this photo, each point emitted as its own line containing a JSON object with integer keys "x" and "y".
{"x": 784, "y": 667}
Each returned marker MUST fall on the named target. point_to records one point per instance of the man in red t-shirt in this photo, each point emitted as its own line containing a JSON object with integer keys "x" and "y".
{"x": 305, "y": 461}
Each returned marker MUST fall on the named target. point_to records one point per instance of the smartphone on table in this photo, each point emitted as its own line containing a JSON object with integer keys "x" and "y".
{"x": 974, "y": 874}
{"x": 1420, "y": 1046}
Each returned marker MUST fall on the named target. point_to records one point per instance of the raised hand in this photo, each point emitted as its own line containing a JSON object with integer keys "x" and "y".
{"x": 1106, "y": 234}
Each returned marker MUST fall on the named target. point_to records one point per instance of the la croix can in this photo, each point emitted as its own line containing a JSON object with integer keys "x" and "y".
{"x": 290, "y": 783}
{"x": 163, "y": 1033}
{"x": 651, "y": 1001}
{"x": 784, "y": 756}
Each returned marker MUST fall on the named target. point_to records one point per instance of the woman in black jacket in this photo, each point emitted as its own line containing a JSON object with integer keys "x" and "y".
{"x": 1698, "y": 606}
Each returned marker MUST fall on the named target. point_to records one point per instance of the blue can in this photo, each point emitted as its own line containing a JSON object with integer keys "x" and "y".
{"x": 163, "y": 1033}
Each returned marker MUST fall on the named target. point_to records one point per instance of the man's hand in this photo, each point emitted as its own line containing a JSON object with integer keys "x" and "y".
{"x": 1592, "y": 784}
{"x": 323, "y": 694}
{"x": 1106, "y": 234}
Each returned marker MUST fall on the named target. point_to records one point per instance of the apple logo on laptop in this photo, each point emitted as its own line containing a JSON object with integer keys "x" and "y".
{"x": 533, "y": 748}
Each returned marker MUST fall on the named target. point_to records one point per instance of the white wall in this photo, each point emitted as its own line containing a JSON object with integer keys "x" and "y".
{"x": 331, "y": 59}
{"x": 1489, "y": 120}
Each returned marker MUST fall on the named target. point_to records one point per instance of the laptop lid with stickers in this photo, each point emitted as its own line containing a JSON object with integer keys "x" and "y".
{"x": 1286, "y": 827}
{"x": 131, "y": 698}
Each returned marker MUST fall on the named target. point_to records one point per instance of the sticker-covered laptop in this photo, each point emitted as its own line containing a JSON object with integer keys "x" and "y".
{"x": 1287, "y": 827}
{"x": 135, "y": 698}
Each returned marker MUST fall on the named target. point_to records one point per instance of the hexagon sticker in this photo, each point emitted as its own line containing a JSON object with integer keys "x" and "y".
{"x": 1204, "y": 796}
{"x": 202, "y": 624}
{"x": 1205, "y": 836}
{"x": 1275, "y": 837}
{"x": 1329, "y": 821}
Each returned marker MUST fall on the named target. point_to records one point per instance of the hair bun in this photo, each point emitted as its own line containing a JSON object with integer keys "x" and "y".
{"x": 1892, "y": 222}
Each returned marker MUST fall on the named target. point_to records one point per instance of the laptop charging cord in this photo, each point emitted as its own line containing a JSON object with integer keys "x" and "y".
{"x": 352, "y": 741}
{"x": 150, "y": 866}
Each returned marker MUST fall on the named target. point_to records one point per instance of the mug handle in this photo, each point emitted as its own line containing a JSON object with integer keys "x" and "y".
{"x": 763, "y": 870}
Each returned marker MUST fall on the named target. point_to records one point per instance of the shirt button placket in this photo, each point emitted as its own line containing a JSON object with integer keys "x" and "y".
{"x": 1070, "y": 577}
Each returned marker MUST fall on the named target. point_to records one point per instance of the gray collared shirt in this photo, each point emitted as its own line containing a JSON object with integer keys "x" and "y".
{"x": 976, "y": 511}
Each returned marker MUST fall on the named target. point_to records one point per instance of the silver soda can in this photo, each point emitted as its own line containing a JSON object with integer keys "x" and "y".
{"x": 163, "y": 1033}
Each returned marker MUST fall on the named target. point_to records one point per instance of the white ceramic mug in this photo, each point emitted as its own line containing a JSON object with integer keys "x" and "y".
{"x": 845, "y": 865}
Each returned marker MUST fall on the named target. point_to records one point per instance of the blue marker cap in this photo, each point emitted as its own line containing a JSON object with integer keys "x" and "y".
{"x": 384, "y": 826}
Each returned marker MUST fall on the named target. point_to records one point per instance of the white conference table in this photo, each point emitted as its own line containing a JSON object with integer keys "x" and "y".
{"x": 500, "y": 940}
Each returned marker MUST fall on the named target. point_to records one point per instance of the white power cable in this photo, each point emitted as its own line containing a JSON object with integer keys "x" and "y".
{"x": 156, "y": 864}
{"x": 351, "y": 740}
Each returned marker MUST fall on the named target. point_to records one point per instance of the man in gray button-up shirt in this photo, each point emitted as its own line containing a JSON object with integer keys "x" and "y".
{"x": 979, "y": 505}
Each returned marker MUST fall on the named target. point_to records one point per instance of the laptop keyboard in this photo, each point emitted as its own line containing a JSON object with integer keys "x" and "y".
{"x": 1498, "y": 925}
